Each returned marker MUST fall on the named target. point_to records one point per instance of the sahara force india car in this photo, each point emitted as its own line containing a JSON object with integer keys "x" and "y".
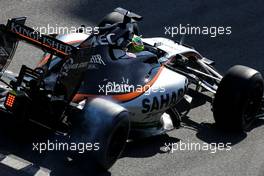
{"x": 91, "y": 88}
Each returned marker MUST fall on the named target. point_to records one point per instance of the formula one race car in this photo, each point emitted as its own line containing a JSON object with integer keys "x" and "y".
{"x": 113, "y": 85}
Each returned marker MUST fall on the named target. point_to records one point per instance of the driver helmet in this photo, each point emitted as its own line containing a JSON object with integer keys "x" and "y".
{"x": 136, "y": 44}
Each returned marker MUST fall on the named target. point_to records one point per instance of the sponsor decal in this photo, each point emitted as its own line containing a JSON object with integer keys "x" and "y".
{"x": 70, "y": 65}
{"x": 28, "y": 32}
{"x": 102, "y": 40}
{"x": 97, "y": 59}
{"x": 159, "y": 102}
{"x": 92, "y": 67}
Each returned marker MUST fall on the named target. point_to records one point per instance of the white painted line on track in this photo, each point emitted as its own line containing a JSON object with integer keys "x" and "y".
{"x": 15, "y": 162}
{"x": 23, "y": 165}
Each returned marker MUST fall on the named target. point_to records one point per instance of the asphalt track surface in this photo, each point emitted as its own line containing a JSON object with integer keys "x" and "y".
{"x": 244, "y": 46}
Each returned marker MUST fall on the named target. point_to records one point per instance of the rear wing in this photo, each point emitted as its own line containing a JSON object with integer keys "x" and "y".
{"x": 16, "y": 30}
{"x": 45, "y": 42}
{"x": 71, "y": 73}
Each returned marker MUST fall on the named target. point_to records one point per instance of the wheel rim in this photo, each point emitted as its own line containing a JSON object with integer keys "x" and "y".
{"x": 252, "y": 105}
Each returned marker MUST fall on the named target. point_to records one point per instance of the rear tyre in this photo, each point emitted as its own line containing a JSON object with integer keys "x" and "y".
{"x": 105, "y": 124}
{"x": 113, "y": 141}
{"x": 238, "y": 98}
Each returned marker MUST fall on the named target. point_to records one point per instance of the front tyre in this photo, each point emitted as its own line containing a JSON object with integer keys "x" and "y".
{"x": 238, "y": 98}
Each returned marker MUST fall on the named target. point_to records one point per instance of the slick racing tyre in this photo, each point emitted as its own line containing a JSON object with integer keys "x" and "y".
{"x": 238, "y": 98}
{"x": 115, "y": 17}
{"x": 105, "y": 123}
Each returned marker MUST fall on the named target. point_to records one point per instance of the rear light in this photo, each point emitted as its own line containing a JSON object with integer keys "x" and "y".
{"x": 10, "y": 100}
